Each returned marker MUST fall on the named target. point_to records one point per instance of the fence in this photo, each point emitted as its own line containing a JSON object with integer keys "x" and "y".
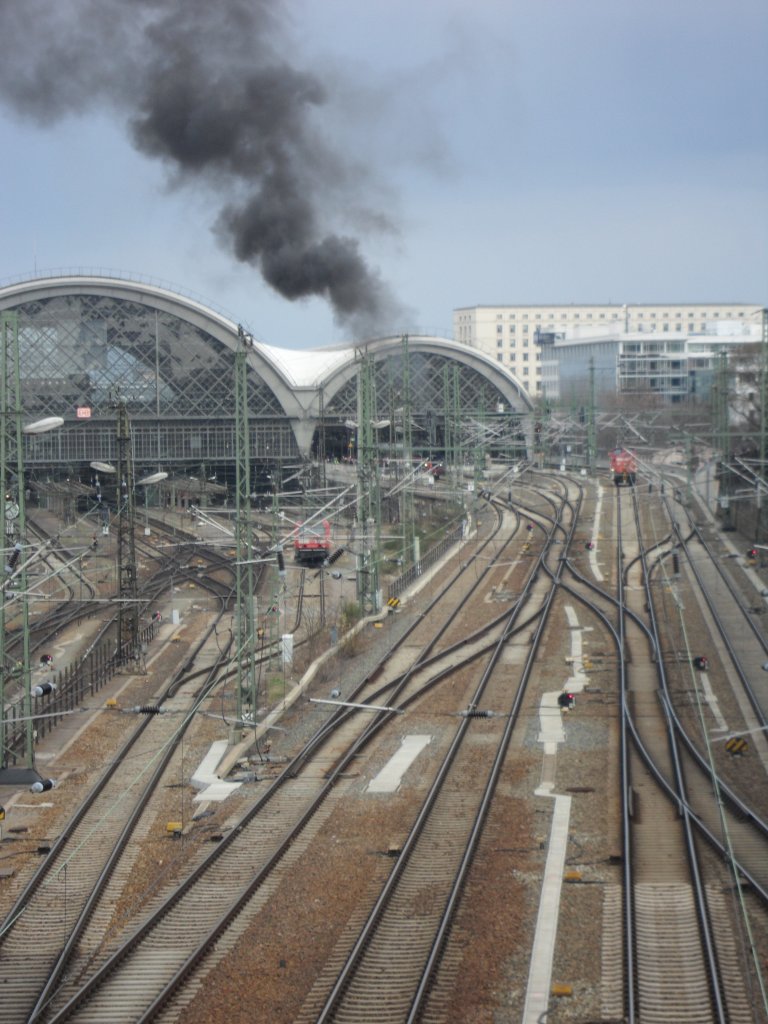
{"x": 74, "y": 684}
{"x": 408, "y": 578}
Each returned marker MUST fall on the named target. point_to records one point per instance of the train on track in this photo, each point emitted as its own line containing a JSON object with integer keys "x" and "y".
{"x": 623, "y": 467}
{"x": 312, "y": 544}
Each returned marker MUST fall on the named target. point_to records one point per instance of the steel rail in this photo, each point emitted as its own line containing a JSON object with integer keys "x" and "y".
{"x": 711, "y": 959}
{"x": 452, "y": 902}
{"x": 288, "y": 773}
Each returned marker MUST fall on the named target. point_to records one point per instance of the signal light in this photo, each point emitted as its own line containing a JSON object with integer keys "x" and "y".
{"x": 566, "y": 700}
{"x": 752, "y": 553}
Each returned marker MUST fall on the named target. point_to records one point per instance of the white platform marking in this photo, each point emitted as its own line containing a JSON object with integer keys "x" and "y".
{"x": 713, "y": 703}
{"x": 595, "y": 532}
{"x": 205, "y": 778}
{"x": 543, "y": 953}
{"x": 552, "y": 732}
{"x": 391, "y": 775}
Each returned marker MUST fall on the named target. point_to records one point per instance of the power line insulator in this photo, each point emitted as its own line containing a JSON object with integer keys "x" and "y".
{"x": 43, "y": 689}
{"x": 42, "y": 786}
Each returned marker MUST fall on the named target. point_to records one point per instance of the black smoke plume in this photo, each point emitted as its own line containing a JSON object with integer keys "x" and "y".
{"x": 205, "y": 87}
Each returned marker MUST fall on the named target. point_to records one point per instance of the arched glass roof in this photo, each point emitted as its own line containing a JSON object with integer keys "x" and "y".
{"x": 84, "y": 339}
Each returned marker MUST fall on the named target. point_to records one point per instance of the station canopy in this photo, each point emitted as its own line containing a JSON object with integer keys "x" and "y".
{"x": 84, "y": 340}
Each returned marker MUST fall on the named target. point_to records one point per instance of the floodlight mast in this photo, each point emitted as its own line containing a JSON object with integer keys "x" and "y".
{"x": 128, "y": 647}
{"x": 763, "y": 398}
{"x": 368, "y": 494}
{"x": 245, "y": 632}
{"x": 13, "y": 533}
{"x": 12, "y": 522}
{"x": 408, "y": 515}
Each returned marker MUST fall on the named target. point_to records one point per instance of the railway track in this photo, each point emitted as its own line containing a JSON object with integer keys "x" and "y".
{"x": 208, "y": 570}
{"x": 671, "y": 944}
{"x": 223, "y": 864}
{"x": 389, "y": 972}
{"x": 682, "y": 958}
{"x": 54, "y": 910}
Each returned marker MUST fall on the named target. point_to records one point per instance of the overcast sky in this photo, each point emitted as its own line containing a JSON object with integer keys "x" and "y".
{"x": 454, "y": 154}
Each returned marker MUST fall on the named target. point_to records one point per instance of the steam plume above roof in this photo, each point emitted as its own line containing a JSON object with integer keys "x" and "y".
{"x": 205, "y": 89}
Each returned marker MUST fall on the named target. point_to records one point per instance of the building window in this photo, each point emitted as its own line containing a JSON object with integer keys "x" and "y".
{"x": 500, "y": 358}
{"x": 512, "y": 329}
{"x": 691, "y": 326}
{"x": 525, "y": 357}
{"x": 525, "y": 316}
{"x": 499, "y": 343}
{"x": 499, "y": 329}
{"x": 665, "y": 327}
{"x": 525, "y": 329}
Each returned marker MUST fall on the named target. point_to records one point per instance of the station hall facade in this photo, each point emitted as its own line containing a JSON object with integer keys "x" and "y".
{"x": 82, "y": 340}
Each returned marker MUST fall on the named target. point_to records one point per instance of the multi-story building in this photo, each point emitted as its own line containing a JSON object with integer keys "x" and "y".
{"x": 532, "y": 340}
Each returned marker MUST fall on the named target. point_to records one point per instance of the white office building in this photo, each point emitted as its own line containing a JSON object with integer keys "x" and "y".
{"x": 667, "y": 350}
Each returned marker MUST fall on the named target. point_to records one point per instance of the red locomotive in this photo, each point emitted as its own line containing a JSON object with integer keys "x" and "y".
{"x": 623, "y": 467}
{"x": 312, "y": 544}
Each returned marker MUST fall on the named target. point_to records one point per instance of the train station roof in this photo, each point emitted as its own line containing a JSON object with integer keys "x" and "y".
{"x": 84, "y": 336}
